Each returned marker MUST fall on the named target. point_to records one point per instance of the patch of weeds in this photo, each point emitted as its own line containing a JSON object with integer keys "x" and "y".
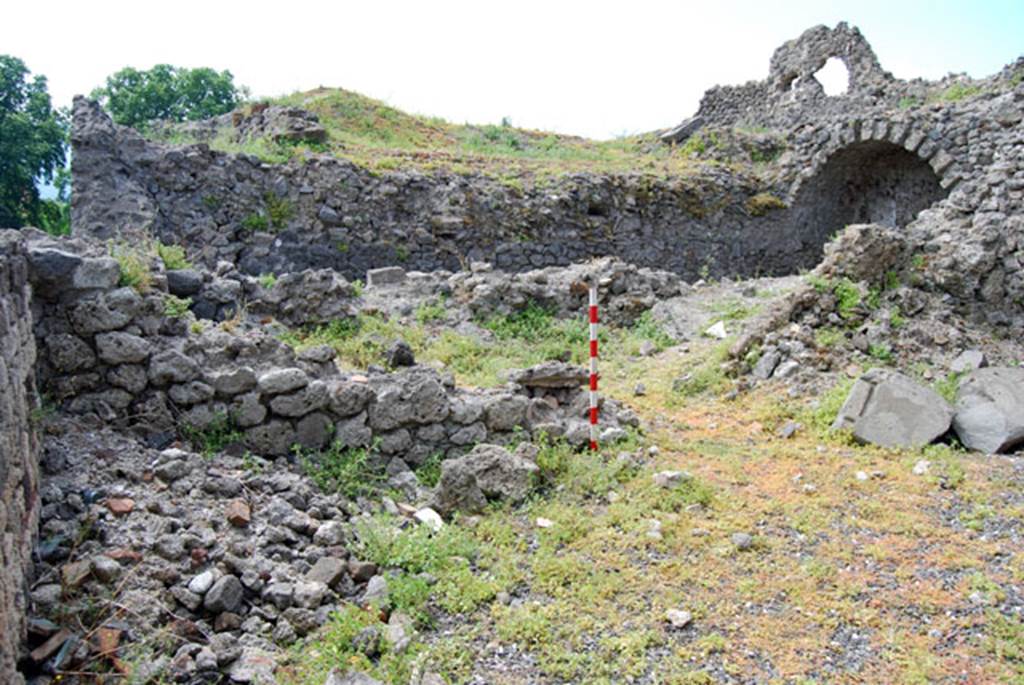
{"x": 646, "y": 328}
{"x": 824, "y": 413}
{"x": 892, "y": 280}
{"x": 1004, "y": 639}
{"x": 976, "y": 517}
{"x": 254, "y": 221}
{"x": 173, "y": 256}
{"x": 211, "y": 439}
{"x": 212, "y": 202}
{"x": 712, "y": 643}
{"x": 707, "y": 376}
{"x": 267, "y": 281}
{"x": 957, "y": 92}
{"x": 909, "y": 102}
{"x": 880, "y": 351}
{"x": 979, "y": 583}
{"x": 947, "y": 469}
{"x": 341, "y": 469}
{"x": 585, "y": 474}
{"x": 44, "y": 410}
{"x": 828, "y": 337}
{"x": 948, "y": 386}
{"x": 848, "y": 297}
{"x": 273, "y": 216}
{"x": 732, "y": 309}
{"x": 134, "y": 266}
{"x": 896, "y": 318}
{"x": 334, "y": 647}
{"x": 429, "y": 472}
{"x": 429, "y": 312}
{"x": 176, "y": 307}
{"x": 401, "y": 253}
{"x": 357, "y": 288}
{"x": 762, "y": 203}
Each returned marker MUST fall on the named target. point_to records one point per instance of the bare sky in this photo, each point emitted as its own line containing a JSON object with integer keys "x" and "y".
{"x": 591, "y": 68}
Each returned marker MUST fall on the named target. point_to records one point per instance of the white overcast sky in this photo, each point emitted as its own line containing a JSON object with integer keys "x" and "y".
{"x": 590, "y": 68}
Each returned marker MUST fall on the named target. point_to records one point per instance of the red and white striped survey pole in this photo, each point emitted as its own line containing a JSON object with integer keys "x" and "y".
{"x": 593, "y": 364}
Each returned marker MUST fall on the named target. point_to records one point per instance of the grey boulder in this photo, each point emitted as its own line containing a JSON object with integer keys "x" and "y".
{"x": 886, "y": 408}
{"x": 990, "y": 409}
{"x": 488, "y": 472}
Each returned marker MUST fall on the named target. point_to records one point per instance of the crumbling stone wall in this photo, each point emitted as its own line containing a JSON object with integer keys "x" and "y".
{"x": 115, "y": 354}
{"x": 958, "y": 192}
{"x": 329, "y": 213}
{"x": 19, "y": 470}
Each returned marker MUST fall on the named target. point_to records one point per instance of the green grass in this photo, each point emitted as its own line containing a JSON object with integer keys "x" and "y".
{"x": 382, "y": 138}
{"x": 957, "y": 92}
{"x": 521, "y": 339}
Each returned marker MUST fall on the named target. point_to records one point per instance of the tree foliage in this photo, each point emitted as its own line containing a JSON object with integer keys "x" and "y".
{"x": 135, "y": 97}
{"x": 33, "y": 147}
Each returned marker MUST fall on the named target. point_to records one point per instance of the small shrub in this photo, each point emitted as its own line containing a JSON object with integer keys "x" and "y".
{"x": 267, "y": 281}
{"x": 176, "y": 307}
{"x": 848, "y": 297}
{"x": 762, "y": 203}
{"x": 357, "y": 288}
{"x": 173, "y": 256}
{"x": 279, "y": 210}
{"x": 254, "y": 222}
{"x": 135, "y": 269}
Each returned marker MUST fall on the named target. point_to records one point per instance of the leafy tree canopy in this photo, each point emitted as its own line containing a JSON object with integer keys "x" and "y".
{"x": 135, "y": 97}
{"x": 33, "y": 144}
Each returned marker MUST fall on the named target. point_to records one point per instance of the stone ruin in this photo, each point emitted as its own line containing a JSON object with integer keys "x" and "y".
{"x": 939, "y": 180}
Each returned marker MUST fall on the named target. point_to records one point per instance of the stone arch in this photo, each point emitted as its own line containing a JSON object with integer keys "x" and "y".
{"x": 869, "y": 172}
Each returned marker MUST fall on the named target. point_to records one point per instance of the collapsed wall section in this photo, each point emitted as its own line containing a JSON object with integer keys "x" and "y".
{"x": 19, "y": 470}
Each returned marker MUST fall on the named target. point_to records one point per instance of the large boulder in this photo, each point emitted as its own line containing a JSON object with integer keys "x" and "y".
{"x": 990, "y": 409}
{"x": 889, "y": 409}
{"x": 488, "y": 472}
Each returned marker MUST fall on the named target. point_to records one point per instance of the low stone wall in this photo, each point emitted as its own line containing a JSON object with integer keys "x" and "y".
{"x": 19, "y": 445}
{"x": 113, "y": 353}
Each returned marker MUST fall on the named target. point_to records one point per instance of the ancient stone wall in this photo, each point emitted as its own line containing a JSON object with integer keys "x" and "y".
{"x": 329, "y": 213}
{"x": 19, "y": 470}
{"x": 118, "y": 355}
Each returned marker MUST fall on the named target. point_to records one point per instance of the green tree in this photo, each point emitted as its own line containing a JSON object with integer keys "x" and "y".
{"x": 33, "y": 145}
{"x": 135, "y": 98}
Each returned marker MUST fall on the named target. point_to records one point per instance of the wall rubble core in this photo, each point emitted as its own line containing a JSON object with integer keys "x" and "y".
{"x": 19, "y": 448}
